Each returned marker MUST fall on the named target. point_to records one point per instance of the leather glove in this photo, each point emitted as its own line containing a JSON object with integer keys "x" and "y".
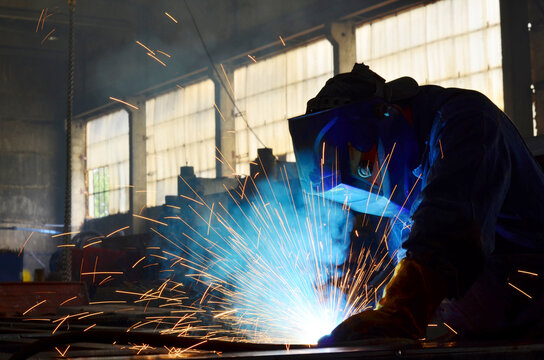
{"x": 410, "y": 299}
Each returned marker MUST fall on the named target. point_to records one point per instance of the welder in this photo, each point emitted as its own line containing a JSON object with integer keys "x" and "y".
{"x": 463, "y": 193}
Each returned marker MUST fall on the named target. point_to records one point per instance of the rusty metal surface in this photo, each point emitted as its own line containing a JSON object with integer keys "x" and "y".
{"x": 18, "y": 297}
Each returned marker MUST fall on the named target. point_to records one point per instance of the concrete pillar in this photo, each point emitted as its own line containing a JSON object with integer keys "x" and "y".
{"x": 225, "y": 138}
{"x": 78, "y": 159}
{"x": 516, "y": 64}
{"x": 536, "y": 36}
{"x": 342, "y": 37}
{"x": 138, "y": 161}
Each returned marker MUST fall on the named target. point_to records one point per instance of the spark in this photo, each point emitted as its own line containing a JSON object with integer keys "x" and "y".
{"x": 91, "y": 244}
{"x": 68, "y": 300}
{"x": 188, "y": 198}
{"x": 385, "y": 208}
{"x": 191, "y": 347}
{"x": 521, "y": 291}
{"x": 141, "y": 348}
{"x": 224, "y": 313}
{"x": 243, "y": 189}
{"x": 171, "y": 17}
{"x": 106, "y": 279}
{"x": 44, "y": 18}
{"x": 116, "y": 231}
{"x": 94, "y": 238}
{"x": 157, "y": 59}
{"x": 103, "y": 272}
{"x": 89, "y": 315}
{"x": 252, "y": 58}
{"x": 127, "y": 292}
{"x": 124, "y": 102}
{"x": 145, "y": 47}
{"x": 266, "y": 267}
{"x": 385, "y": 170}
{"x": 527, "y": 272}
{"x": 107, "y": 302}
{"x": 210, "y": 220}
{"x": 62, "y": 353}
{"x": 37, "y": 319}
{"x": 127, "y": 309}
{"x": 148, "y": 219}
{"x": 94, "y": 269}
{"x": 174, "y": 207}
{"x": 64, "y": 234}
{"x": 281, "y": 39}
{"x": 33, "y": 307}
{"x": 66, "y": 245}
{"x": 68, "y": 316}
{"x": 22, "y": 248}
{"x": 137, "y": 262}
{"x": 227, "y": 78}
{"x": 47, "y": 36}
{"x": 63, "y": 319}
{"x": 90, "y": 327}
{"x": 449, "y": 327}
{"x": 165, "y": 54}
{"x": 39, "y": 20}
{"x": 219, "y": 111}
{"x": 441, "y": 152}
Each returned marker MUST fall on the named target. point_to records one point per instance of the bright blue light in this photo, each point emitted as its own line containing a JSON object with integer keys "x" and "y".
{"x": 272, "y": 259}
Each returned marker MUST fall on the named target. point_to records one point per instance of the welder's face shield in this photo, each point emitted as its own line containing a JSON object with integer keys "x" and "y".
{"x": 360, "y": 154}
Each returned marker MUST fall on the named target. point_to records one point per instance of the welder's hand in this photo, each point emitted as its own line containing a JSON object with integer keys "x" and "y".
{"x": 409, "y": 301}
{"x": 367, "y": 325}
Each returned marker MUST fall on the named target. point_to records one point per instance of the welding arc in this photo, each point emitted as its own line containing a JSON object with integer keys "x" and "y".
{"x": 219, "y": 76}
{"x": 157, "y": 340}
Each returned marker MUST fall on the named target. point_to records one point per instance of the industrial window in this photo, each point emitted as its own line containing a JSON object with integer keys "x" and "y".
{"x": 108, "y": 165}
{"x": 180, "y": 128}
{"x": 452, "y": 43}
{"x": 271, "y": 91}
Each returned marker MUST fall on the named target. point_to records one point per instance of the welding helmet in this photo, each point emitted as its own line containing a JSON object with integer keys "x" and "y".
{"x": 357, "y": 148}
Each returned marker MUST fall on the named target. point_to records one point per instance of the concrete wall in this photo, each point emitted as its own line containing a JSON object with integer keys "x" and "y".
{"x": 31, "y": 152}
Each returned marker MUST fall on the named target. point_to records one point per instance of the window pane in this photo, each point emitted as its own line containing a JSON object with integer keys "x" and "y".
{"x": 107, "y": 165}
{"x": 271, "y": 91}
{"x": 452, "y": 43}
{"x": 180, "y": 129}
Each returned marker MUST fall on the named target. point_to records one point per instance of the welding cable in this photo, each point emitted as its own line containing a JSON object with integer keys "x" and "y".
{"x": 219, "y": 76}
{"x": 156, "y": 340}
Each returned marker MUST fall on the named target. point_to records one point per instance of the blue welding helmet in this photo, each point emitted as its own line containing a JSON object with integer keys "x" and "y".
{"x": 361, "y": 154}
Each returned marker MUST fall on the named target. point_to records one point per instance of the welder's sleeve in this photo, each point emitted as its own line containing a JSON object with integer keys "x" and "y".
{"x": 465, "y": 178}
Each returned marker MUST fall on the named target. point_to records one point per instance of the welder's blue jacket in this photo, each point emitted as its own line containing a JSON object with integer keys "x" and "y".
{"x": 481, "y": 191}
